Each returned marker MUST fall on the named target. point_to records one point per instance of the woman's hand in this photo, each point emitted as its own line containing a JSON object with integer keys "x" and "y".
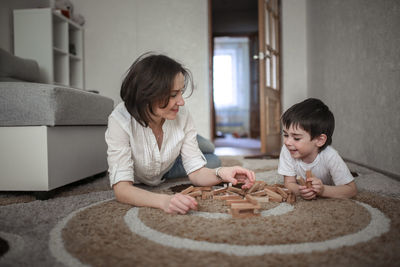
{"x": 236, "y": 175}
{"x": 179, "y": 203}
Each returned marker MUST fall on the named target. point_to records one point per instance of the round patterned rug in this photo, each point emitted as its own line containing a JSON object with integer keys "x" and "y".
{"x": 80, "y": 227}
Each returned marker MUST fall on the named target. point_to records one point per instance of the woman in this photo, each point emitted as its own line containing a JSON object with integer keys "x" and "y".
{"x": 151, "y": 137}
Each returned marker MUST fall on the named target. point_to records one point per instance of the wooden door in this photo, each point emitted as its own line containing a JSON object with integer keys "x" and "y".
{"x": 269, "y": 66}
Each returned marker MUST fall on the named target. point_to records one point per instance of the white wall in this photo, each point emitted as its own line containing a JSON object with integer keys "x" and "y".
{"x": 294, "y": 52}
{"x": 354, "y": 67}
{"x": 117, "y": 32}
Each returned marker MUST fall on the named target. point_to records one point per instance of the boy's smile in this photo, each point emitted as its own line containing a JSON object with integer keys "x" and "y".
{"x": 300, "y": 145}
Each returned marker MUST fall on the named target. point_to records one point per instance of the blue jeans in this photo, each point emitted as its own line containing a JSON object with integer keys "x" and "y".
{"x": 207, "y": 148}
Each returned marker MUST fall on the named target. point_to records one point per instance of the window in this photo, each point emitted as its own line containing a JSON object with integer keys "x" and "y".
{"x": 224, "y": 80}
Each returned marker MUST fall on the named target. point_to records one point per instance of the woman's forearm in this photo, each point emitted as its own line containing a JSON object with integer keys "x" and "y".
{"x": 204, "y": 177}
{"x": 126, "y": 193}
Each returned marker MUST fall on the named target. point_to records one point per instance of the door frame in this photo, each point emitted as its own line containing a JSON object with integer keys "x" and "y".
{"x": 270, "y": 95}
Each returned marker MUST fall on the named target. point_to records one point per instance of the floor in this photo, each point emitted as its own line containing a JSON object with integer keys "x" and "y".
{"x": 231, "y": 146}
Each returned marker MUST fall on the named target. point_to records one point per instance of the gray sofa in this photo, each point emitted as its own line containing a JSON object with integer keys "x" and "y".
{"x": 50, "y": 135}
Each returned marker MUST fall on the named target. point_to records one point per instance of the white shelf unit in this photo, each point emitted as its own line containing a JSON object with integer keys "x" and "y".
{"x": 54, "y": 41}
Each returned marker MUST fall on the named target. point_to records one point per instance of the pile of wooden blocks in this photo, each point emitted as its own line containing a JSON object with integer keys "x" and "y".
{"x": 244, "y": 203}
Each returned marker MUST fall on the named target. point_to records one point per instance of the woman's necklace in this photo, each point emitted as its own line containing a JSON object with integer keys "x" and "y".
{"x": 158, "y": 134}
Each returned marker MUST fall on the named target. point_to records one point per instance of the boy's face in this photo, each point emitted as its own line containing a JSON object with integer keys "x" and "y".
{"x": 300, "y": 145}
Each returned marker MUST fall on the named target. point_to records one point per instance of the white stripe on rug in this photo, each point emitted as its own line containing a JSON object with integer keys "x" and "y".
{"x": 378, "y": 225}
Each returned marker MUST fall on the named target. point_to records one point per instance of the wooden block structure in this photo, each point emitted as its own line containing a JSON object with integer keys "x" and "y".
{"x": 244, "y": 203}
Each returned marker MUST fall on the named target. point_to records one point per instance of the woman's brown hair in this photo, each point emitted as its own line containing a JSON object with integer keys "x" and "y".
{"x": 149, "y": 81}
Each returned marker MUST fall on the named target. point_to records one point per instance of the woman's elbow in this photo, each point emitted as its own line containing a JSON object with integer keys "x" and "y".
{"x": 121, "y": 192}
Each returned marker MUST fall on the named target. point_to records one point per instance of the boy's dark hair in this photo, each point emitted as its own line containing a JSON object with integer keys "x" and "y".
{"x": 313, "y": 116}
{"x": 149, "y": 81}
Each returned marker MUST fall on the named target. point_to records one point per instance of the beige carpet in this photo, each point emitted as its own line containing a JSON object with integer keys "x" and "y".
{"x": 83, "y": 225}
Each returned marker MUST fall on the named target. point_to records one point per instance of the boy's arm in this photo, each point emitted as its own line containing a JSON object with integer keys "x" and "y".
{"x": 291, "y": 184}
{"x": 339, "y": 191}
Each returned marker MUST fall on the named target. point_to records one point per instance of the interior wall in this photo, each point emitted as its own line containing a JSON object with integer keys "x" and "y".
{"x": 117, "y": 32}
{"x": 294, "y": 52}
{"x": 354, "y": 67}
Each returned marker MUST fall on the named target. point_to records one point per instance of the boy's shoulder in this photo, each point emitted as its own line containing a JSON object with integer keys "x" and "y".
{"x": 329, "y": 153}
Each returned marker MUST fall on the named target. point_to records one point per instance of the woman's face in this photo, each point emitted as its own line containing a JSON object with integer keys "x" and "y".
{"x": 175, "y": 100}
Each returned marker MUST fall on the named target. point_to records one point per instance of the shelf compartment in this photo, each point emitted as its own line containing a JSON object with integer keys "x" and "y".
{"x": 76, "y": 72}
{"x": 61, "y": 69}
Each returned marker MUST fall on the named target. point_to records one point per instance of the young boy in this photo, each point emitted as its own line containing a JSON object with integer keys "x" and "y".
{"x": 307, "y": 133}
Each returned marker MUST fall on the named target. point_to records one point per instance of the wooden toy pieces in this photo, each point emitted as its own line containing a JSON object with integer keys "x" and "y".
{"x": 303, "y": 181}
{"x": 203, "y": 192}
{"x": 244, "y": 203}
{"x": 248, "y": 207}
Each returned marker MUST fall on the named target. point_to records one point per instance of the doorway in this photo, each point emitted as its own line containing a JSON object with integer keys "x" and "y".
{"x": 235, "y": 98}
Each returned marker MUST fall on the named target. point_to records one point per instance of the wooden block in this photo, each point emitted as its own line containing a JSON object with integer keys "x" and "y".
{"x": 253, "y": 188}
{"x": 270, "y": 187}
{"x": 308, "y": 175}
{"x": 230, "y": 201}
{"x": 244, "y": 206}
{"x": 226, "y": 197}
{"x": 219, "y": 191}
{"x": 261, "y": 199}
{"x": 273, "y": 196}
{"x": 281, "y": 192}
{"x": 259, "y": 193}
{"x": 239, "y": 214}
{"x": 195, "y": 194}
{"x": 236, "y": 190}
{"x": 279, "y": 185}
{"x": 301, "y": 181}
{"x": 187, "y": 190}
{"x": 202, "y": 188}
{"x": 252, "y": 199}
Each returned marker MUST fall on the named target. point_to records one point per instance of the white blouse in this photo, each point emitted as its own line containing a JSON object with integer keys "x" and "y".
{"x": 133, "y": 153}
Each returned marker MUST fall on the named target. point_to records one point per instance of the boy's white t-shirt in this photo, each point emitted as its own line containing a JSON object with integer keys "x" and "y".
{"x": 327, "y": 166}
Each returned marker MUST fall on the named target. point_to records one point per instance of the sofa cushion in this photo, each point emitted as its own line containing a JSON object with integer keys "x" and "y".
{"x": 23, "y": 104}
{"x": 13, "y": 68}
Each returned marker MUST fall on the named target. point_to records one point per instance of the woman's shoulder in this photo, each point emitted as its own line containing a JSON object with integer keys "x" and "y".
{"x": 123, "y": 117}
{"x": 120, "y": 112}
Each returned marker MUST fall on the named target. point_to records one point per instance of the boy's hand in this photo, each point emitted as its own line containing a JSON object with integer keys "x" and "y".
{"x": 317, "y": 185}
{"x": 307, "y": 193}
